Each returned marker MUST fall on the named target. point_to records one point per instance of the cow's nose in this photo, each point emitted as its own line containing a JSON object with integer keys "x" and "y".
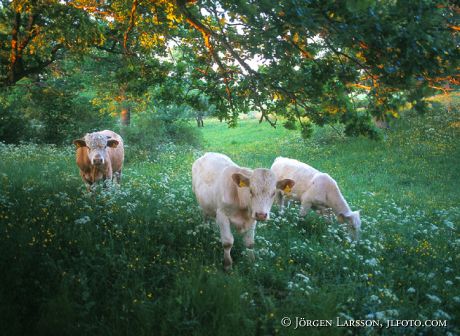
{"x": 98, "y": 160}
{"x": 261, "y": 216}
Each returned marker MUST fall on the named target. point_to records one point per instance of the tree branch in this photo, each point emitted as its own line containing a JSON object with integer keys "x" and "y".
{"x": 206, "y": 33}
{"x": 14, "y": 47}
{"x": 31, "y": 33}
{"x": 221, "y": 37}
{"x": 94, "y": 10}
{"x": 21, "y": 73}
{"x": 130, "y": 26}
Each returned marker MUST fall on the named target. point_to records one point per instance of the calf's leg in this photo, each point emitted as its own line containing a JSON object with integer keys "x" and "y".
{"x": 249, "y": 241}
{"x": 280, "y": 199}
{"x": 117, "y": 177}
{"x": 305, "y": 204}
{"x": 226, "y": 238}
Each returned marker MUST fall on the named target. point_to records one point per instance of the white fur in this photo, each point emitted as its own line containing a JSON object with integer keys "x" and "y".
{"x": 315, "y": 190}
{"x": 216, "y": 184}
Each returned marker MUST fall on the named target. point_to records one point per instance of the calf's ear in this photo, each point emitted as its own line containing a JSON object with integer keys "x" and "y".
{"x": 285, "y": 185}
{"x": 79, "y": 143}
{"x": 341, "y": 218}
{"x": 240, "y": 180}
{"x": 112, "y": 143}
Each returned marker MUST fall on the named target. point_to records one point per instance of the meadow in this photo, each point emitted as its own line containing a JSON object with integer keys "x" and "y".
{"x": 138, "y": 259}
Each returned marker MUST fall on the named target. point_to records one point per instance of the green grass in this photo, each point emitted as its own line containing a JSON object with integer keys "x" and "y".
{"x": 138, "y": 259}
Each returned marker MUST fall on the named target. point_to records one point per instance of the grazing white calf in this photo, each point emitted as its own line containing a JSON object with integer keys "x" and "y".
{"x": 100, "y": 156}
{"x": 315, "y": 190}
{"x": 234, "y": 195}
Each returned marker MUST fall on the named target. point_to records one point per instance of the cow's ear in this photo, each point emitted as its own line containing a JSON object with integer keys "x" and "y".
{"x": 240, "y": 180}
{"x": 79, "y": 143}
{"x": 285, "y": 185}
{"x": 112, "y": 143}
{"x": 341, "y": 218}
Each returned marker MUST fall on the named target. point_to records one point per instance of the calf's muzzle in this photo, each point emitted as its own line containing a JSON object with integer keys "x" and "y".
{"x": 261, "y": 216}
{"x": 98, "y": 160}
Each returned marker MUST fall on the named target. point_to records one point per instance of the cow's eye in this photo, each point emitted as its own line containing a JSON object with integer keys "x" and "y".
{"x": 251, "y": 192}
{"x": 273, "y": 195}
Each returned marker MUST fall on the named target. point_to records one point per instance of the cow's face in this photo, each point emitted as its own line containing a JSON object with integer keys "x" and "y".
{"x": 97, "y": 145}
{"x": 260, "y": 188}
{"x": 353, "y": 219}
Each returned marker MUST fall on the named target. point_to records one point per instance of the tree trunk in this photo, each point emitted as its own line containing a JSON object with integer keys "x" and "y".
{"x": 199, "y": 121}
{"x": 14, "y": 57}
{"x": 125, "y": 113}
{"x": 125, "y": 116}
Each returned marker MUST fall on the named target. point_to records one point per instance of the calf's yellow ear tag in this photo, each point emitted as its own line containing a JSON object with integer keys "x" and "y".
{"x": 242, "y": 184}
{"x": 287, "y": 189}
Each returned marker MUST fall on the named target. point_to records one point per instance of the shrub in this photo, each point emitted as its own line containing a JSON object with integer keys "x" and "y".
{"x": 182, "y": 132}
{"x": 13, "y": 126}
{"x": 47, "y": 112}
{"x": 149, "y": 129}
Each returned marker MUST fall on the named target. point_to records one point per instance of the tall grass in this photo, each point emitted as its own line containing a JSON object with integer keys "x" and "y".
{"x": 138, "y": 259}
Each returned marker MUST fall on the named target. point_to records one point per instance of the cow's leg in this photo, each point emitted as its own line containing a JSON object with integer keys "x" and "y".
{"x": 88, "y": 184}
{"x": 206, "y": 218}
{"x": 118, "y": 177}
{"x": 305, "y": 204}
{"x": 280, "y": 199}
{"x": 86, "y": 181}
{"x": 226, "y": 238}
{"x": 108, "y": 177}
{"x": 249, "y": 241}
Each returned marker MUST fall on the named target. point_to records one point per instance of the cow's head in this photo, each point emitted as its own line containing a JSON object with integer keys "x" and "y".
{"x": 353, "y": 220}
{"x": 260, "y": 189}
{"x": 97, "y": 144}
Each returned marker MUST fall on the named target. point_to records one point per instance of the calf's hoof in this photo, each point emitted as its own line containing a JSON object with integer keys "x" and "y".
{"x": 227, "y": 265}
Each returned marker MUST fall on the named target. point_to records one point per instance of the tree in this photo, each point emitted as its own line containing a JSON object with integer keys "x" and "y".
{"x": 310, "y": 61}
{"x": 33, "y": 34}
{"x": 318, "y": 55}
{"x": 54, "y": 107}
{"x": 133, "y": 40}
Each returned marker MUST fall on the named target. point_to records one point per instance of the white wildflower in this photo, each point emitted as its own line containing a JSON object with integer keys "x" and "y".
{"x": 371, "y": 262}
{"x": 434, "y": 298}
{"x": 303, "y": 277}
{"x": 441, "y": 314}
{"x": 82, "y": 220}
{"x": 449, "y": 224}
{"x": 375, "y": 298}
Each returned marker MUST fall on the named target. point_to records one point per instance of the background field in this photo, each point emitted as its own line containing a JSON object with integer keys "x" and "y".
{"x": 138, "y": 259}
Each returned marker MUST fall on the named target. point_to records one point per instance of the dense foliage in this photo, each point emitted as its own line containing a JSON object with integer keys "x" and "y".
{"x": 138, "y": 259}
{"x": 315, "y": 61}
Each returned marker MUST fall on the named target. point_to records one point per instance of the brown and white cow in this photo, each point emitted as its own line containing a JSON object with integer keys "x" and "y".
{"x": 234, "y": 196}
{"x": 100, "y": 156}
